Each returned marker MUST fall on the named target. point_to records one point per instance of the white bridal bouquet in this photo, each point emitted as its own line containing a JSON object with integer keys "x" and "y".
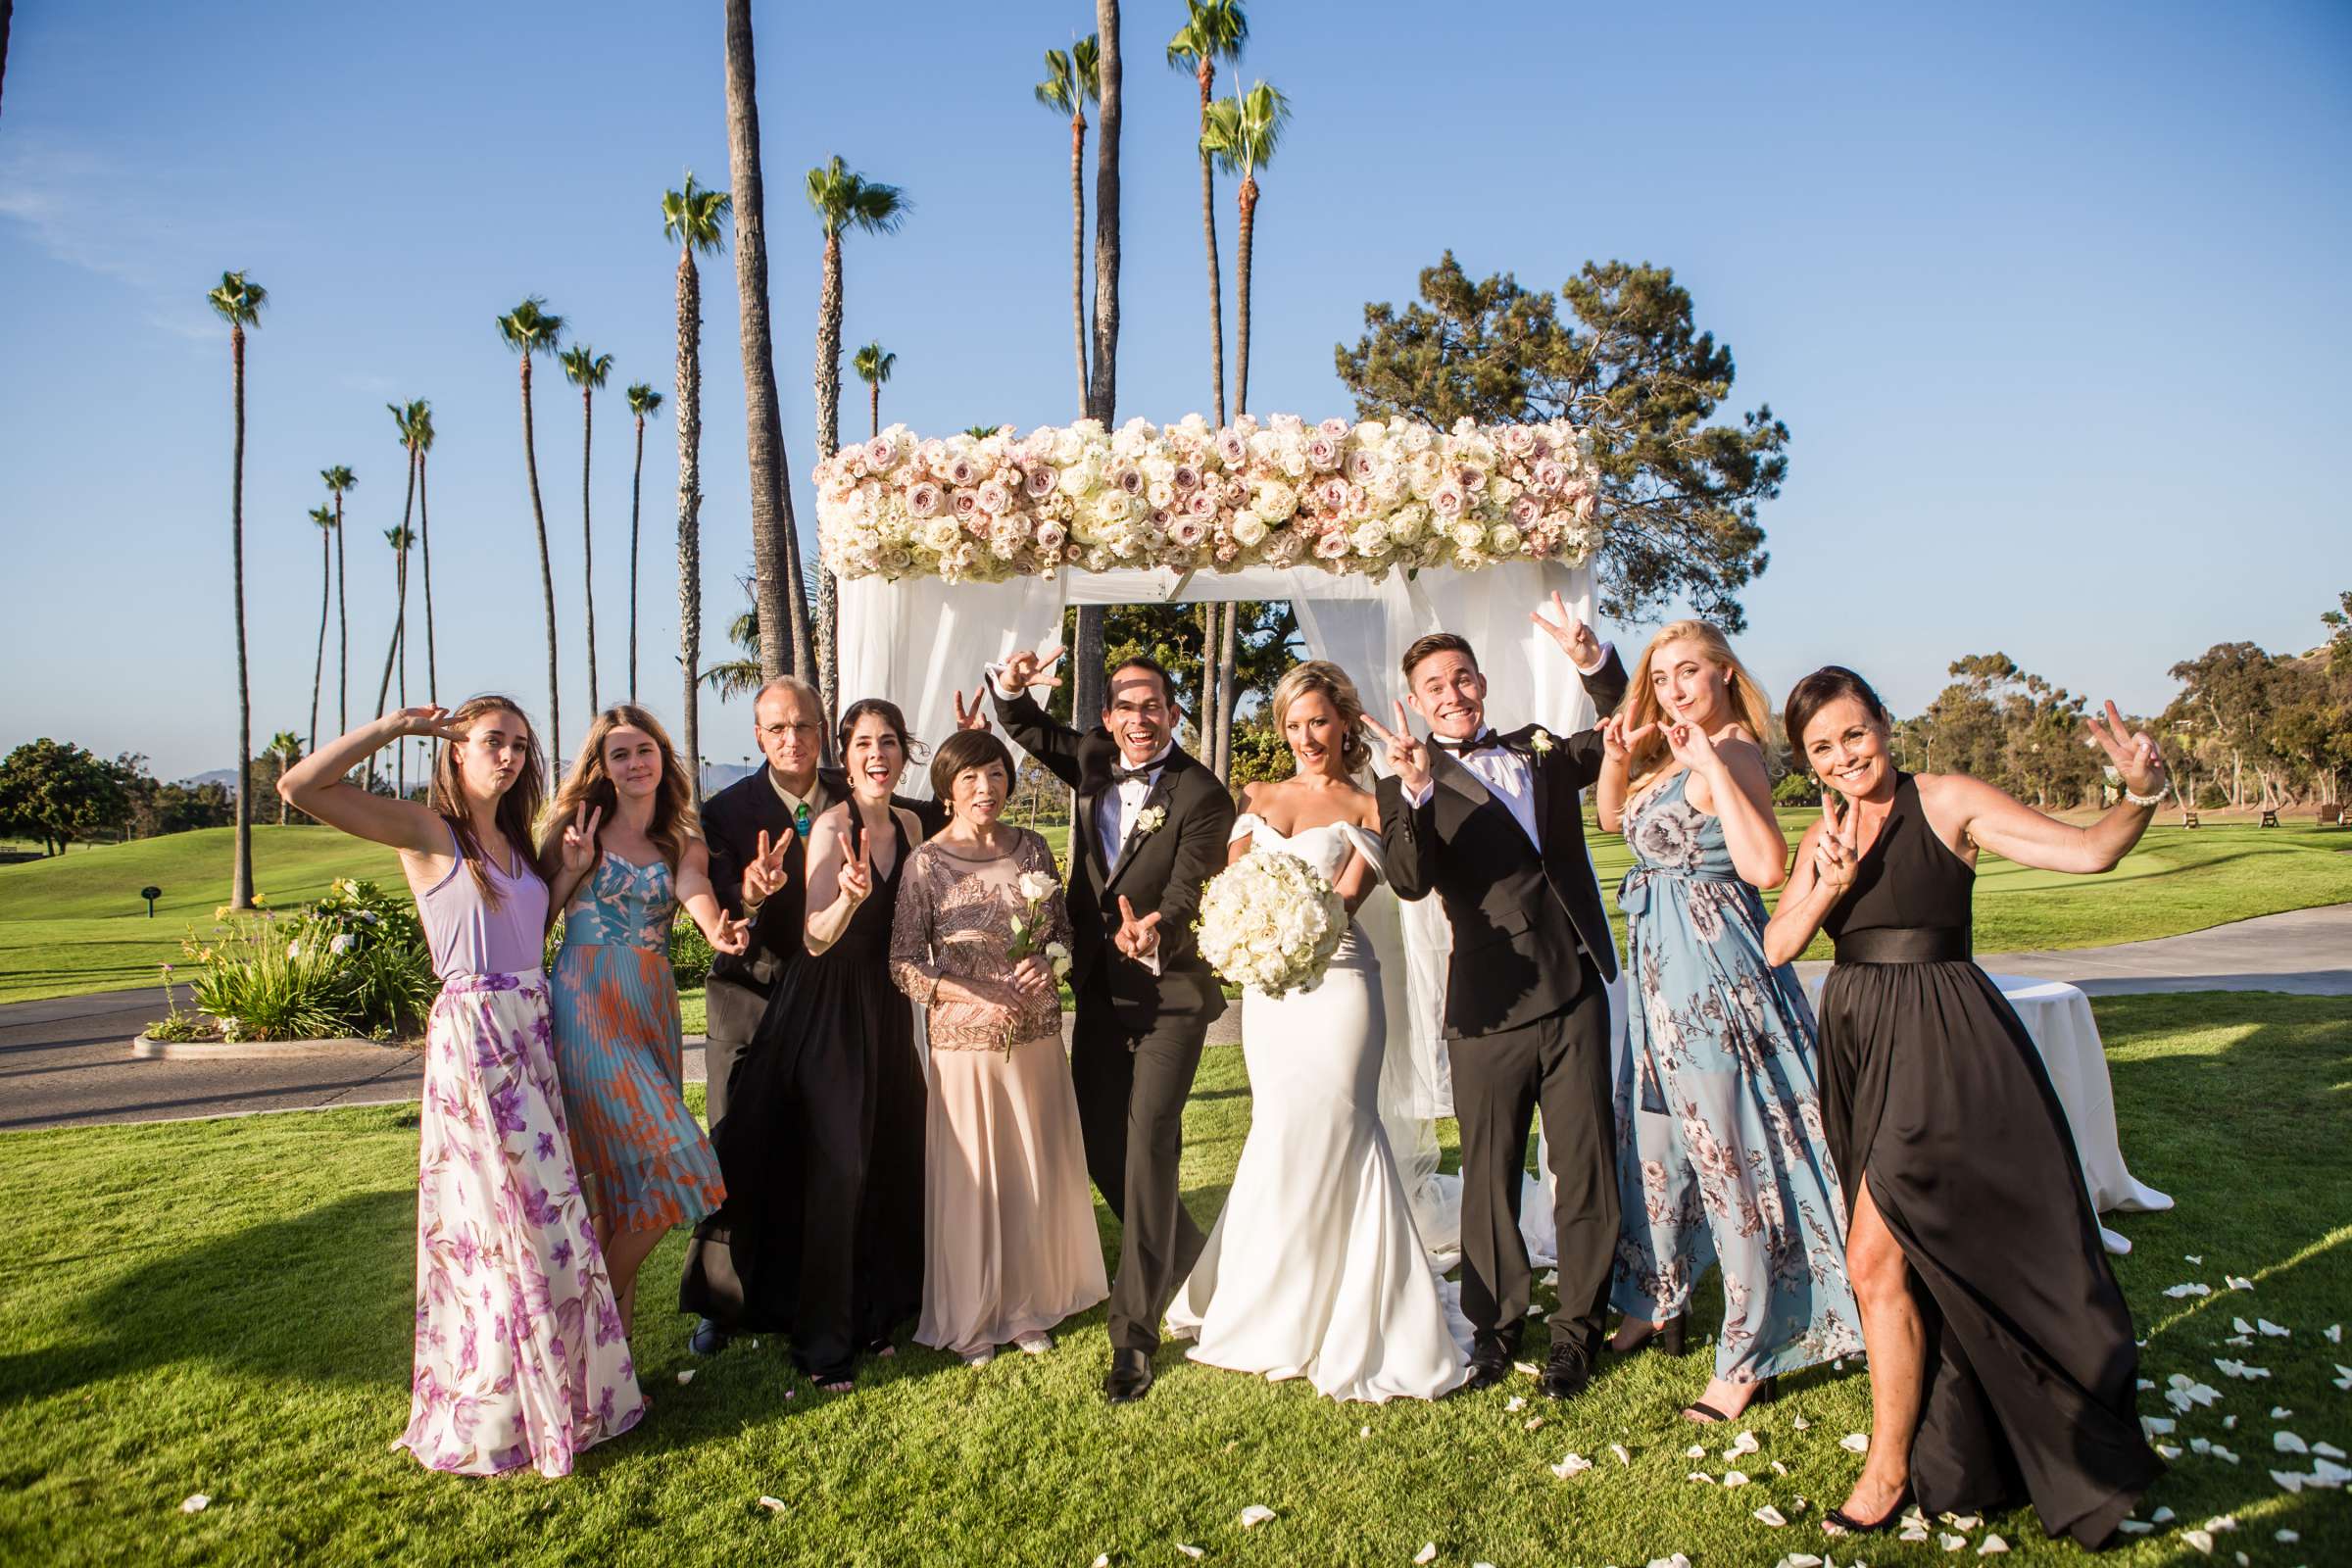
{"x": 1269, "y": 922}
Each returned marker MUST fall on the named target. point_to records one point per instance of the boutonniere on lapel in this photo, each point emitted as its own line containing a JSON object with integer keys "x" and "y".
{"x": 1540, "y": 741}
{"x": 1148, "y": 822}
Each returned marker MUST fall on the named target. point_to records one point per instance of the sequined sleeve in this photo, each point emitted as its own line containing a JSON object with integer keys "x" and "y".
{"x": 911, "y": 968}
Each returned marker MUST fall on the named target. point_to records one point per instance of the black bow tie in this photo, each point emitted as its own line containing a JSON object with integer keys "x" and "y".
{"x": 1477, "y": 742}
{"x": 1122, "y": 775}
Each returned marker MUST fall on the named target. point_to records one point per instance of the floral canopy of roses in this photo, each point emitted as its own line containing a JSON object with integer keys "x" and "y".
{"x": 1365, "y": 498}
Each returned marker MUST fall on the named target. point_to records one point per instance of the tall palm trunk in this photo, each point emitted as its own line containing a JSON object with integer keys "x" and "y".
{"x": 400, "y": 654}
{"x": 326, "y": 583}
{"x": 874, "y": 409}
{"x": 546, "y": 577}
{"x": 690, "y": 505}
{"x": 342, "y": 627}
{"x": 1078, "y": 243}
{"x": 1241, "y": 294}
{"x": 784, "y": 641}
{"x": 1207, "y": 77}
{"x": 588, "y": 536}
{"x": 1205, "y": 720}
{"x": 400, "y": 574}
{"x": 1227, "y": 648}
{"x": 1102, "y": 400}
{"x": 425, "y": 546}
{"x": 828, "y": 442}
{"x": 240, "y": 894}
{"x": 636, "y": 493}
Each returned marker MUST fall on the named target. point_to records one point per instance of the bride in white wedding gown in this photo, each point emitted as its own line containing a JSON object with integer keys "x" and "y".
{"x": 1316, "y": 1268}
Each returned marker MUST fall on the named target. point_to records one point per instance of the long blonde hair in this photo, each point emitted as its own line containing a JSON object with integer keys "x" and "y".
{"x": 446, "y": 795}
{"x": 590, "y": 784}
{"x": 1740, "y": 692}
{"x": 1324, "y": 676}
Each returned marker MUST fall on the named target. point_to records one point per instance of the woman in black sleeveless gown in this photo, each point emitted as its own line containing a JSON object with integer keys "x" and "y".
{"x": 1973, "y": 1249}
{"x": 822, "y": 1236}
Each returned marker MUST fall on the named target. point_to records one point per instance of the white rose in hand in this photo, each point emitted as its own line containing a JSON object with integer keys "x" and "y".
{"x": 1036, "y": 886}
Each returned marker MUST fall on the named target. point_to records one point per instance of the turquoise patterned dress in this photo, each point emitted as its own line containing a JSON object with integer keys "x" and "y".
{"x": 620, "y": 1052}
{"x": 1720, "y": 1151}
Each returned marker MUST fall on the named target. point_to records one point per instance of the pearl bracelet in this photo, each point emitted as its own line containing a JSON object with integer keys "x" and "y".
{"x": 2139, "y": 799}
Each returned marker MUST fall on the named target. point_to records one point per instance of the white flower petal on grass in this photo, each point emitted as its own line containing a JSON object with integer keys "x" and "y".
{"x": 195, "y": 1502}
{"x": 685, "y": 1376}
{"x": 2240, "y": 1325}
{"x": 1913, "y": 1534}
{"x": 2200, "y": 1445}
{"x": 1532, "y": 1423}
{"x": 1258, "y": 1513}
{"x": 2239, "y": 1341}
{"x": 2134, "y": 1527}
{"x": 2222, "y": 1453}
{"x": 1528, "y": 1367}
{"x": 2288, "y": 1480}
{"x": 2167, "y": 1450}
{"x": 2162, "y": 1516}
{"x": 1778, "y": 1469}
{"x": 1950, "y": 1542}
{"x": 2220, "y": 1522}
{"x": 1697, "y": 1451}
{"x": 1517, "y": 1404}
{"x": 2328, "y": 1450}
{"x": 2192, "y": 1287}
{"x": 1623, "y": 1457}
{"x": 2327, "y": 1473}
{"x": 1963, "y": 1520}
{"x": 1799, "y": 1423}
{"x": 2335, "y": 1333}
{"x": 1574, "y": 1464}
{"x": 2344, "y": 1376}
{"x": 1744, "y": 1442}
{"x": 1678, "y": 1560}
{"x": 2287, "y": 1537}
{"x": 2280, "y": 1412}
{"x": 1363, "y": 1432}
{"x": 1734, "y": 1478}
{"x": 2272, "y": 1329}
{"x": 1701, "y": 1475}
{"x": 2151, "y": 1426}
{"x": 1188, "y": 1550}
{"x": 772, "y": 1505}
{"x": 1991, "y": 1547}
{"x": 2238, "y": 1282}
{"x": 2192, "y": 1258}
{"x": 2200, "y": 1539}
{"x": 1769, "y": 1515}
{"x": 1855, "y": 1442}
{"x": 1102, "y": 1561}
{"x": 2288, "y": 1442}
{"x": 1798, "y": 1559}
{"x": 1426, "y": 1555}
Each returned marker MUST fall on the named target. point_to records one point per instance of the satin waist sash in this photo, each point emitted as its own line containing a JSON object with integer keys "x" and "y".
{"x": 1906, "y": 945}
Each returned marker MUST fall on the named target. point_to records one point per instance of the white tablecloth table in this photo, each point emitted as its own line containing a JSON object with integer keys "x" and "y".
{"x": 2058, "y": 1017}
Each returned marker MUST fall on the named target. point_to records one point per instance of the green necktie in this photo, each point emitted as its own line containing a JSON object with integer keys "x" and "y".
{"x": 799, "y": 820}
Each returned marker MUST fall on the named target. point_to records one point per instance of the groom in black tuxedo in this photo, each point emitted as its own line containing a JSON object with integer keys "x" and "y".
{"x": 1491, "y": 824}
{"x": 1150, "y": 828}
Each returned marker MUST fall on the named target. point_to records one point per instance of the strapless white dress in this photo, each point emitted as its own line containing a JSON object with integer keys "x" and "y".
{"x": 1316, "y": 1268}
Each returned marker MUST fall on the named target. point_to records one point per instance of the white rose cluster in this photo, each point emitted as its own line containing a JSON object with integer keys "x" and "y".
{"x": 1270, "y": 923}
{"x": 1369, "y": 496}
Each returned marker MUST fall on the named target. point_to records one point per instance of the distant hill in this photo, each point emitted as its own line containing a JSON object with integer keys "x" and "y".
{"x": 717, "y": 776}
{"x": 226, "y": 777}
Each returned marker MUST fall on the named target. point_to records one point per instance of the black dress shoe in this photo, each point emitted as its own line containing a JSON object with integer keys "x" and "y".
{"x": 709, "y": 1338}
{"x": 1130, "y": 1377}
{"x": 1566, "y": 1373}
{"x": 1488, "y": 1367}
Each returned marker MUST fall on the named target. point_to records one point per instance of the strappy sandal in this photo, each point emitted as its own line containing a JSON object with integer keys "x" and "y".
{"x": 1706, "y": 1414}
{"x": 1666, "y": 1337}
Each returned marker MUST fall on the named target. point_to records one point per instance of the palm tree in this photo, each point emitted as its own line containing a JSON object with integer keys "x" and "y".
{"x": 325, "y": 520}
{"x": 737, "y": 677}
{"x": 1242, "y": 133}
{"x": 1101, "y": 395}
{"x": 643, "y": 401}
{"x": 339, "y": 479}
{"x": 239, "y": 302}
{"x": 873, "y": 365}
{"x": 842, "y": 199}
{"x": 285, "y": 749}
{"x": 784, "y": 640}
{"x": 408, "y": 510}
{"x": 1071, "y": 80}
{"x": 401, "y": 539}
{"x": 694, "y": 218}
{"x": 530, "y": 331}
{"x": 588, "y": 370}
{"x": 421, "y": 432}
{"x": 1213, "y": 30}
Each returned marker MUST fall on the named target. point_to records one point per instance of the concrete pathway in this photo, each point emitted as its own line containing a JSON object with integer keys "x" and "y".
{"x": 67, "y": 1062}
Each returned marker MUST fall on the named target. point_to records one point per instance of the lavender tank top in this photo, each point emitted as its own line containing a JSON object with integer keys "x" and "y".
{"x": 469, "y": 936}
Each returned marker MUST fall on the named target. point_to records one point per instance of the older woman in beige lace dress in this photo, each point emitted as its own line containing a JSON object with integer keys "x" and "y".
{"x": 1011, "y": 1246}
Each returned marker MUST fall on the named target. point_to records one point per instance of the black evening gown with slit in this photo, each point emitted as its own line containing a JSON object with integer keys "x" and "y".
{"x": 1934, "y": 1095}
{"x": 821, "y": 1235}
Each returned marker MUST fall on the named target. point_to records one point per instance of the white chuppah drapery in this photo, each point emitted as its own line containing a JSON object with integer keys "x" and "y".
{"x": 921, "y": 640}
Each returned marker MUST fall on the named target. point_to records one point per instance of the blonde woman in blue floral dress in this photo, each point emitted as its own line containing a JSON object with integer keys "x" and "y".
{"x": 1720, "y": 1155}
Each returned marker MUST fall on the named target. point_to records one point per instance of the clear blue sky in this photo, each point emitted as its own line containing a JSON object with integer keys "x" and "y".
{"x": 2055, "y": 300}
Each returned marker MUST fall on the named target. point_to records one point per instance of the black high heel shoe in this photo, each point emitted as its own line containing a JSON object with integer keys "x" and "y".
{"x": 1837, "y": 1522}
{"x": 1666, "y": 1337}
{"x": 1767, "y": 1390}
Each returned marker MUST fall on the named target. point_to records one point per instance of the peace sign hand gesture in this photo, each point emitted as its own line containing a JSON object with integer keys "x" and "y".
{"x": 1575, "y": 638}
{"x": 733, "y": 937}
{"x": 1025, "y": 669}
{"x": 1138, "y": 939}
{"x": 2134, "y": 755}
{"x": 1691, "y": 746}
{"x": 973, "y": 717}
{"x": 431, "y": 723}
{"x": 1839, "y": 855}
{"x": 1408, "y": 757}
{"x": 855, "y": 879}
{"x": 1617, "y": 741}
{"x": 764, "y": 877}
{"x": 579, "y": 840}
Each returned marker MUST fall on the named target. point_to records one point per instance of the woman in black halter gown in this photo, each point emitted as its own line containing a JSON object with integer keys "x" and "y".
{"x": 2001, "y": 1357}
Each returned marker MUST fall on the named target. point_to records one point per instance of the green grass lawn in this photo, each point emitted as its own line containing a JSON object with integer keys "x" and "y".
{"x": 75, "y": 923}
{"x": 224, "y": 1307}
